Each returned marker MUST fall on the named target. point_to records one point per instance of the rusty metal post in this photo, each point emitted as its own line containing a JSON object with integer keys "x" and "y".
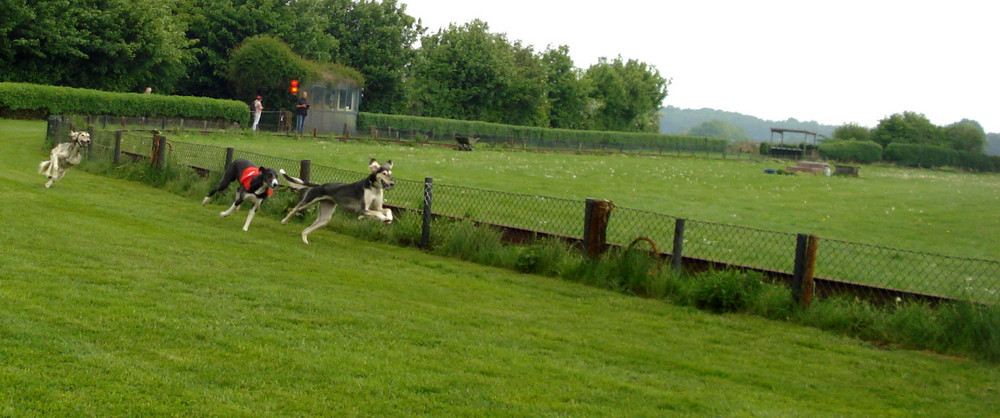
{"x": 677, "y": 257}
{"x": 595, "y": 227}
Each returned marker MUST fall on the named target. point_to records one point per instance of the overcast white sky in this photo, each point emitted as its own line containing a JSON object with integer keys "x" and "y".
{"x": 833, "y": 62}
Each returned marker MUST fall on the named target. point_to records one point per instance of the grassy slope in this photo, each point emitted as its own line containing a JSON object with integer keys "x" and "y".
{"x": 116, "y": 298}
{"x": 918, "y": 210}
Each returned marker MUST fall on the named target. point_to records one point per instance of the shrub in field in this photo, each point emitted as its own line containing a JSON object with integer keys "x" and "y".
{"x": 480, "y": 244}
{"x": 920, "y": 155}
{"x": 851, "y": 151}
{"x": 977, "y": 161}
{"x": 844, "y": 314}
{"x": 972, "y": 329}
{"x": 547, "y": 257}
{"x": 40, "y": 100}
{"x": 723, "y": 291}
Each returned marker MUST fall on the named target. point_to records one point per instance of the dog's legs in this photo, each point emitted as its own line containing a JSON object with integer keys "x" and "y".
{"x": 235, "y": 207}
{"x": 304, "y": 203}
{"x": 59, "y": 174}
{"x": 323, "y": 215}
{"x": 253, "y": 210}
{"x": 228, "y": 176}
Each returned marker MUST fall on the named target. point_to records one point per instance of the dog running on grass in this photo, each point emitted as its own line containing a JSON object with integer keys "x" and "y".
{"x": 363, "y": 197}
{"x": 255, "y": 185}
{"x": 64, "y": 156}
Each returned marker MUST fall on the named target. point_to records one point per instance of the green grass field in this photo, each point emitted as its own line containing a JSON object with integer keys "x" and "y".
{"x": 938, "y": 212}
{"x": 120, "y": 299}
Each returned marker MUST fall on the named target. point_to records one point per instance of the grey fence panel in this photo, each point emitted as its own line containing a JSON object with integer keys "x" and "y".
{"x": 626, "y": 225}
{"x": 535, "y": 213}
{"x": 951, "y": 277}
{"x": 740, "y": 246}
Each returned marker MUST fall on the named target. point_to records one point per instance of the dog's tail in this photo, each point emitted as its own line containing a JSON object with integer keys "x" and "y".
{"x": 297, "y": 183}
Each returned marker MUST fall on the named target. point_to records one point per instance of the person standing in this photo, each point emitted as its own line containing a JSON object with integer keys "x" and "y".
{"x": 301, "y": 110}
{"x": 257, "y": 108}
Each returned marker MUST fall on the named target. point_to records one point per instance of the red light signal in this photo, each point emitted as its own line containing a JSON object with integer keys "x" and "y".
{"x": 294, "y": 89}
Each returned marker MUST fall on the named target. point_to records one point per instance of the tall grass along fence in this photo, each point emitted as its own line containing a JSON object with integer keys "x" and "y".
{"x": 808, "y": 264}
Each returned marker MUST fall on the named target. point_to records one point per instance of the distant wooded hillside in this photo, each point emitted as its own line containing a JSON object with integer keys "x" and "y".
{"x": 674, "y": 120}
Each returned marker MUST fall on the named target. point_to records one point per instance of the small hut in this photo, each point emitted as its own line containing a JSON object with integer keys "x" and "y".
{"x": 334, "y": 108}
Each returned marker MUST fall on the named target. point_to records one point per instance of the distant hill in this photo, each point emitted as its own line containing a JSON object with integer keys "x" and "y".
{"x": 674, "y": 120}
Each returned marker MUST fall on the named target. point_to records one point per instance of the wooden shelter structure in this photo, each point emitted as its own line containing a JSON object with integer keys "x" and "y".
{"x": 781, "y": 150}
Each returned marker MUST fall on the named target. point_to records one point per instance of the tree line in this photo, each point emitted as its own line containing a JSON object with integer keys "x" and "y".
{"x": 235, "y": 49}
{"x": 915, "y": 129}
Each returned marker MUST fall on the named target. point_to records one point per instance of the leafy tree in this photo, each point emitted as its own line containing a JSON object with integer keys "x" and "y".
{"x": 218, "y": 26}
{"x": 719, "y": 129}
{"x": 907, "y": 128}
{"x": 120, "y": 45}
{"x": 966, "y": 135}
{"x": 465, "y": 72}
{"x": 377, "y": 39}
{"x": 263, "y": 65}
{"x": 629, "y": 95}
{"x": 568, "y": 94}
{"x": 852, "y": 131}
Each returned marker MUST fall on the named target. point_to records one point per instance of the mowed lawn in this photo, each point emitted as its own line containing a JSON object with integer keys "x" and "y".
{"x": 940, "y": 212}
{"x": 120, "y": 299}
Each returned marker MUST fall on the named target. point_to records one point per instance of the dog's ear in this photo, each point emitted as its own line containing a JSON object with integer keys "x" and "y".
{"x": 388, "y": 165}
{"x": 373, "y": 165}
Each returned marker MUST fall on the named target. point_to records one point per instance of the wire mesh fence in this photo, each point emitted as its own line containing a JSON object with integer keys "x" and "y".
{"x": 840, "y": 266}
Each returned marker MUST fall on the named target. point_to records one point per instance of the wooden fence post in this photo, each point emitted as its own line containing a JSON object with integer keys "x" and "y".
{"x": 118, "y": 147}
{"x": 595, "y": 226}
{"x": 677, "y": 257}
{"x": 159, "y": 157}
{"x": 425, "y": 234}
{"x": 805, "y": 267}
{"x": 90, "y": 145}
{"x": 305, "y": 170}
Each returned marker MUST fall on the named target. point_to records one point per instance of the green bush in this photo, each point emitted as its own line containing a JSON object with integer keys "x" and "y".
{"x": 445, "y": 129}
{"x": 725, "y": 291}
{"x": 920, "y": 155}
{"x": 42, "y": 101}
{"x": 977, "y": 161}
{"x": 851, "y": 151}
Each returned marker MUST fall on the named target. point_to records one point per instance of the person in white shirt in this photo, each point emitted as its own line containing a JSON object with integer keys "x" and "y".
{"x": 257, "y": 108}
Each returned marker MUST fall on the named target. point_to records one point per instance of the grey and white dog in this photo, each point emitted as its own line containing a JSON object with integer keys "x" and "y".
{"x": 64, "y": 156}
{"x": 363, "y": 197}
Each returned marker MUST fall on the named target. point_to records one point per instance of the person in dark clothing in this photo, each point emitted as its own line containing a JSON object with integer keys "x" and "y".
{"x": 301, "y": 110}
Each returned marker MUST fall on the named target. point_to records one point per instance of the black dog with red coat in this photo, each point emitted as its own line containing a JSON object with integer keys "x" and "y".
{"x": 256, "y": 184}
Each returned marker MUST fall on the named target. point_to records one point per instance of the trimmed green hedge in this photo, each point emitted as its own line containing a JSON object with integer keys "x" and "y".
{"x": 930, "y": 156}
{"x": 851, "y": 151}
{"x": 43, "y": 101}
{"x": 444, "y": 129}
{"x": 920, "y": 155}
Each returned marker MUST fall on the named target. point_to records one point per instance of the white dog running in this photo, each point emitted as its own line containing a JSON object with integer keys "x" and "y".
{"x": 64, "y": 156}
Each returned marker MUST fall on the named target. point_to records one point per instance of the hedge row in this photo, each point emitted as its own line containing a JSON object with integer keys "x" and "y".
{"x": 851, "y": 151}
{"x": 43, "y": 101}
{"x": 446, "y": 129}
{"x": 929, "y": 156}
